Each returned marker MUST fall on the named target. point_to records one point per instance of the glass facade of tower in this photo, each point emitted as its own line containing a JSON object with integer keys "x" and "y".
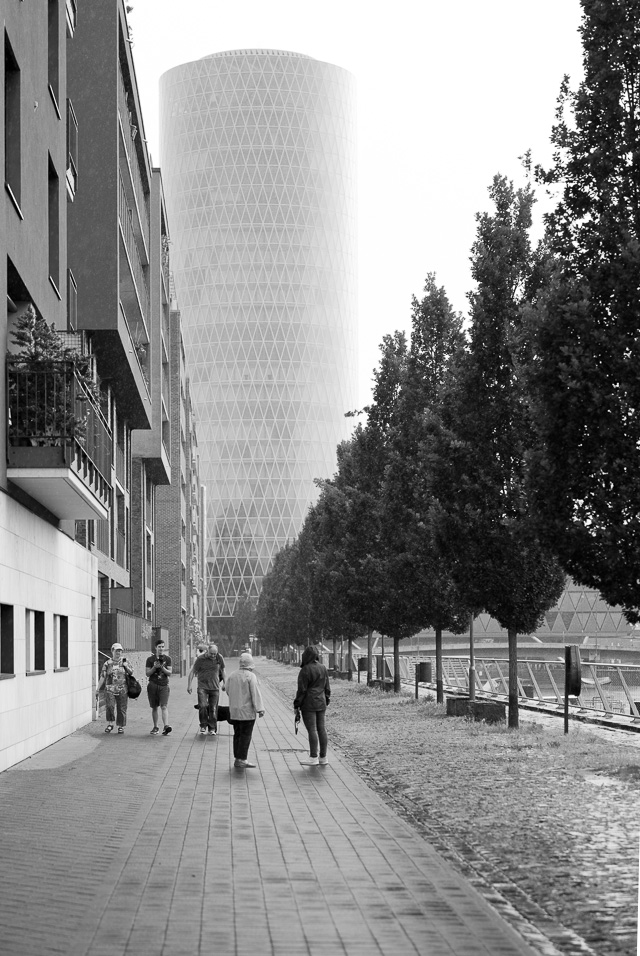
{"x": 259, "y": 166}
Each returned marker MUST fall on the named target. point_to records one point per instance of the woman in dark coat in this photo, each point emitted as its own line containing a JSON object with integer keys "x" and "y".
{"x": 312, "y": 698}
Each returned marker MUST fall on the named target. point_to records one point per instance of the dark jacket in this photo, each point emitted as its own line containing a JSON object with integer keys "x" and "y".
{"x": 314, "y": 689}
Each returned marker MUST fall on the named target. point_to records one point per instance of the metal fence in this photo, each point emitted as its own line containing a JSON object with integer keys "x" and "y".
{"x": 606, "y": 688}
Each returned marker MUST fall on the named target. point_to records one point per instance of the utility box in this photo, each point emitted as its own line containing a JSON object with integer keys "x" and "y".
{"x": 423, "y": 672}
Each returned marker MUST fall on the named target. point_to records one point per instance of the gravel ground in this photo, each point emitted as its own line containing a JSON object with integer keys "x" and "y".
{"x": 536, "y": 820}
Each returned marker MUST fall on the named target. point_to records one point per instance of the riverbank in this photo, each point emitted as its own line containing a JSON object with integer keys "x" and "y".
{"x": 548, "y": 822}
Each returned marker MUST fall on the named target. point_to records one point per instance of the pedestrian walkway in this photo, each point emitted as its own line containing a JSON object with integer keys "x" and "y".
{"x": 157, "y": 846}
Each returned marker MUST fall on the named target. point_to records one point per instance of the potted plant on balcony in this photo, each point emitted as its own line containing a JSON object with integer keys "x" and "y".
{"x": 45, "y": 404}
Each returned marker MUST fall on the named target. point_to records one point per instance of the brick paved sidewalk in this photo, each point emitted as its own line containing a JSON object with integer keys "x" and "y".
{"x": 156, "y": 846}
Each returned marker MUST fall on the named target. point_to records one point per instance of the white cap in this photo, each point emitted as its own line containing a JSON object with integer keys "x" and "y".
{"x": 117, "y": 647}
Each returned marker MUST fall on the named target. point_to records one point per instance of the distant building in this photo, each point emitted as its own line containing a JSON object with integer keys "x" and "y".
{"x": 259, "y": 165}
{"x": 180, "y": 515}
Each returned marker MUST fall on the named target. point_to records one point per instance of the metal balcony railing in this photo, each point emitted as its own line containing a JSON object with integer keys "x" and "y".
{"x": 142, "y": 197}
{"x": 52, "y": 408}
{"x": 133, "y": 254}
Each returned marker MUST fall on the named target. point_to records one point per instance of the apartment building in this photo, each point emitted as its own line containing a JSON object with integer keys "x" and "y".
{"x": 86, "y": 425}
{"x": 52, "y": 473}
{"x": 181, "y": 510}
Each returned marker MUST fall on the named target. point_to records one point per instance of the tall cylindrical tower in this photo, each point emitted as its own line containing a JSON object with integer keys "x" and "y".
{"x": 259, "y": 166}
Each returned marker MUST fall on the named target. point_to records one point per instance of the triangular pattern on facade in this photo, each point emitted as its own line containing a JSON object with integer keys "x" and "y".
{"x": 258, "y": 158}
{"x": 580, "y": 612}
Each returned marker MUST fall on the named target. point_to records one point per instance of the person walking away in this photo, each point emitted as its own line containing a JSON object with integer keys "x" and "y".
{"x": 314, "y": 693}
{"x": 209, "y": 668}
{"x": 113, "y": 677}
{"x": 158, "y": 668}
{"x": 245, "y": 703}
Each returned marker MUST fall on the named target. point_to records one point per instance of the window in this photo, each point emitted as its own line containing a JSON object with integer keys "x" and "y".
{"x": 6, "y": 639}
{"x": 54, "y": 227}
{"x": 72, "y": 151}
{"x": 12, "y": 132}
{"x": 54, "y": 52}
{"x": 60, "y": 641}
{"x": 72, "y": 302}
{"x": 34, "y": 641}
{"x": 72, "y": 13}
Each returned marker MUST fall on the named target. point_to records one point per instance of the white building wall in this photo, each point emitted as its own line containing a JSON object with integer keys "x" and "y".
{"x": 44, "y": 570}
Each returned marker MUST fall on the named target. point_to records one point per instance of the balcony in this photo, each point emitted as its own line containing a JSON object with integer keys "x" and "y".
{"x": 59, "y": 443}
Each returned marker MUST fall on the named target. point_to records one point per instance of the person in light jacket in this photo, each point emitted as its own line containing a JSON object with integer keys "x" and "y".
{"x": 113, "y": 678}
{"x": 314, "y": 692}
{"x": 245, "y": 703}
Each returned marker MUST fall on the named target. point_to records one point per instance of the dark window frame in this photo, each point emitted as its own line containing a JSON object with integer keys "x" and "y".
{"x": 13, "y": 125}
{"x": 7, "y": 641}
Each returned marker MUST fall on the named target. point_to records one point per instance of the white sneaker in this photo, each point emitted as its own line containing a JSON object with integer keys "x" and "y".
{"x": 311, "y": 762}
{"x": 323, "y": 761}
{"x": 203, "y": 730}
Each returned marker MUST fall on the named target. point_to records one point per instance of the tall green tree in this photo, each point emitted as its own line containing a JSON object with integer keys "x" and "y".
{"x": 482, "y": 517}
{"x": 422, "y": 579}
{"x": 585, "y": 474}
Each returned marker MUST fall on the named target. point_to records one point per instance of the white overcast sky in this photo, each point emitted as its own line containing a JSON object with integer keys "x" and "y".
{"x": 449, "y": 94}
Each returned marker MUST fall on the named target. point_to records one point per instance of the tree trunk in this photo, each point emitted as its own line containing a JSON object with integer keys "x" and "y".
{"x": 335, "y": 655}
{"x": 396, "y": 665}
{"x": 439, "y": 689}
{"x": 369, "y": 656}
{"x": 350, "y": 659}
{"x": 472, "y": 662}
{"x": 513, "y": 679}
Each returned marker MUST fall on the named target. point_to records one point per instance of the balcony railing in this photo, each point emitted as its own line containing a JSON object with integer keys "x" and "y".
{"x": 133, "y": 255}
{"x": 55, "y": 423}
{"x": 142, "y": 200}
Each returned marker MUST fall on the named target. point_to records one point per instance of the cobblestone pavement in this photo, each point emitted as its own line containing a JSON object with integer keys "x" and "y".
{"x": 156, "y": 846}
{"x": 544, "y": 825}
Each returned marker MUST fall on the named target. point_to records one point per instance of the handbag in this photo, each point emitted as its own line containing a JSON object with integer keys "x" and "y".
{"x": 133, "y": 687}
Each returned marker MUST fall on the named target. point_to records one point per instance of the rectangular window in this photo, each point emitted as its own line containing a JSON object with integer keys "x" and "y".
{"x": 60, "y": 641}
{"x": 54, "y": 52}
{"x": 72, "y": 151}
{"x": 54, "y": 226}
{"x": 6, "y": 639}
{"x": 72, "y": 14}
{"x": 72, "y": 302}
{"x": 12, "y": 126}
{"x": 34, "y": 641}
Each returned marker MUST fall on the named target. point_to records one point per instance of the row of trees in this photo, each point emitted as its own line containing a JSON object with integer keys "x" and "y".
{"x": 498, "y": 458}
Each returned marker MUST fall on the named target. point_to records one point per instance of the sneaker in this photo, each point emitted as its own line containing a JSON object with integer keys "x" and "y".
{"x": 167, "y": 730}
{"x": 213, "y": 733}
{"x": 246, "y": 764}
{"x": 203, "y": 730}
{"x": 156, "y": 730}
{"x": 239, "y": 764}
{"x": 108, "y": 728}
{"x": 120, "y": 730}
{"x": 323, "y": 761}
{"x": 310, "y": 762}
